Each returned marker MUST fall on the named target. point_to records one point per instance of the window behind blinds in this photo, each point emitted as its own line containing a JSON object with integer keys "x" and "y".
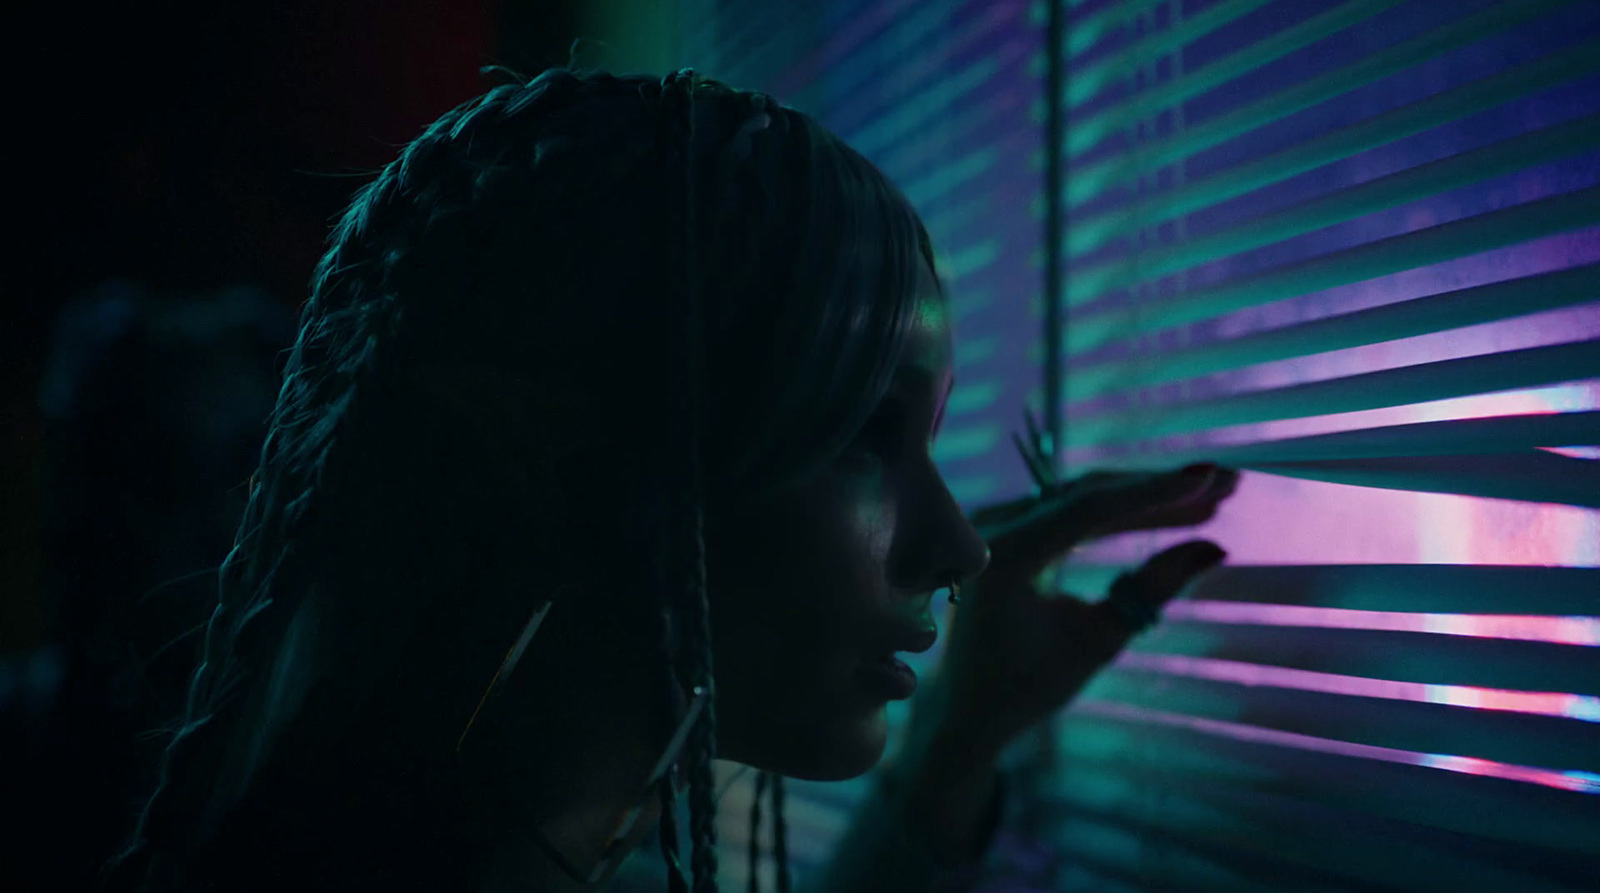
{"x": 1350, "y": 247}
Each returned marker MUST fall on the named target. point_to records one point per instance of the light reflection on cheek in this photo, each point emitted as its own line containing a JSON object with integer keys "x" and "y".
{"x": 873, "y": 516}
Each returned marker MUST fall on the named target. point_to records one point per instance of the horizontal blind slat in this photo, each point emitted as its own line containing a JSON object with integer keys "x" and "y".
{"x": 1086, "y": 180}
{"x": 1421, "y": 588}
{"x": 1469, "y": 804}
{"x": 1562, "y": 744}
{"x": 1377, "y": 654}
{"x": 1403, "y": 319}
{"x": 1446, "y": 241}
{"x": 1443, "y": 379}
{"x": 1536, "y": 476}
{"x": 1478, "y": 436}
{"x": 1535, "y": 147}
{"x": 1092, "y": 230}
{"x": 1208, "y": 668}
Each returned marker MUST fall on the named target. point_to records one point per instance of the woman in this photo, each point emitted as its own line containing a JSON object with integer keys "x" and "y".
{"x": 604, "y": 451}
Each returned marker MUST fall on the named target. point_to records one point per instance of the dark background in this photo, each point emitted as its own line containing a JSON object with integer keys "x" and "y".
{"x": 190, "y": 146}
{"x": 165, "y": 161}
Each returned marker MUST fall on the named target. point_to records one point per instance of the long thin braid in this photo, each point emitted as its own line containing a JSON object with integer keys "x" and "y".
{"x": 702, "y": 782}
{"x": 755, "y": 833}
{"x": 780, "y": 834}
{"x": 669, "y": 837}
{"x": 668, "y": 827}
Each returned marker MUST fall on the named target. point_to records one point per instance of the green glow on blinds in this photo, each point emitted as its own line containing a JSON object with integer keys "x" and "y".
{"x": 1091, "y": 79}
{"x": 1086, "y": 181}
{"x": 1416, "y": 117}
{"x": 1149, "y": 103}
{"x": 1494, "y": 160}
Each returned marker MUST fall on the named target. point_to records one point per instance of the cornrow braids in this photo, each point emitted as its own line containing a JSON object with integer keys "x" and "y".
{"x": 338, "y": 364}
{"x": 780, "y": 834}
{"x": 755, "y": 832}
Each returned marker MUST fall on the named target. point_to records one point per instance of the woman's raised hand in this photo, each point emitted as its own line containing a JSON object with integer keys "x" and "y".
{"x": 1016, "y": 655}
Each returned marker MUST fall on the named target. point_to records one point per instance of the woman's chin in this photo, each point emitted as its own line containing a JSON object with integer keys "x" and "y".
{"x": 824, "y": 751}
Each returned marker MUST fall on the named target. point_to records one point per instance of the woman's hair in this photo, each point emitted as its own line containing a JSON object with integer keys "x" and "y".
{"x": 527, "y": 337}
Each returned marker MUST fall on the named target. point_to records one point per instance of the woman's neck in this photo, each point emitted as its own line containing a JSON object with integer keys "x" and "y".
{"x": 599, "y": 735}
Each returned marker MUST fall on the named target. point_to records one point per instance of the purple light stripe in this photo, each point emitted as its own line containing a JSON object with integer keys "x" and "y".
{"x": 1577, "y": 630}
{"x": 1581, "y": 782}
{"x": 1560, "y": 704}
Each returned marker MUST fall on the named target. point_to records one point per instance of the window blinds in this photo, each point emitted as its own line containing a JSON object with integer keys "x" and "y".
{"x": 1350, "y": 247}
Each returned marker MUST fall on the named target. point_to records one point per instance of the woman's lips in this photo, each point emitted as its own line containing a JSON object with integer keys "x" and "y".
{"x": 888, "y": 677}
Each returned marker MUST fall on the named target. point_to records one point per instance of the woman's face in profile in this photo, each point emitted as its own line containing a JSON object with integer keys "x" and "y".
{"x": 813, "y": 586}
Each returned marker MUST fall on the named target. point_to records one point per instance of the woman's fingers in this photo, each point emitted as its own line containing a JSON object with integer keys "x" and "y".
{"x": 1144, "y": 592}
{"x": 1187, "y": 511}
{"x": 1029, "y": 543}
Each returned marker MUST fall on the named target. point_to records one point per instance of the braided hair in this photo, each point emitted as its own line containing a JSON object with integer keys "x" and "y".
{"x": 416, "y": 433}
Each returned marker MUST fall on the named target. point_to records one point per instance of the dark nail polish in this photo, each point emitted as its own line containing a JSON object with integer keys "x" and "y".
{"x": 1199, "y": 468}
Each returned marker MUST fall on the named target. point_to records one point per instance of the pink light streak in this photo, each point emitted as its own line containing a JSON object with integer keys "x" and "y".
{"x": 1576, "y": 396}
{"x": 1576, "y": 630}
{"x": 1559, "y": 704}
{"x": 1573, "y": 780}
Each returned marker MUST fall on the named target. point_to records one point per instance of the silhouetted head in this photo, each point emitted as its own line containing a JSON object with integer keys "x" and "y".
{"x": 665, "y": 353}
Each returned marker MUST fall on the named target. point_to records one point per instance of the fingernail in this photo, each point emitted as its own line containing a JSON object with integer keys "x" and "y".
{"x": 1199, "y": 469}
